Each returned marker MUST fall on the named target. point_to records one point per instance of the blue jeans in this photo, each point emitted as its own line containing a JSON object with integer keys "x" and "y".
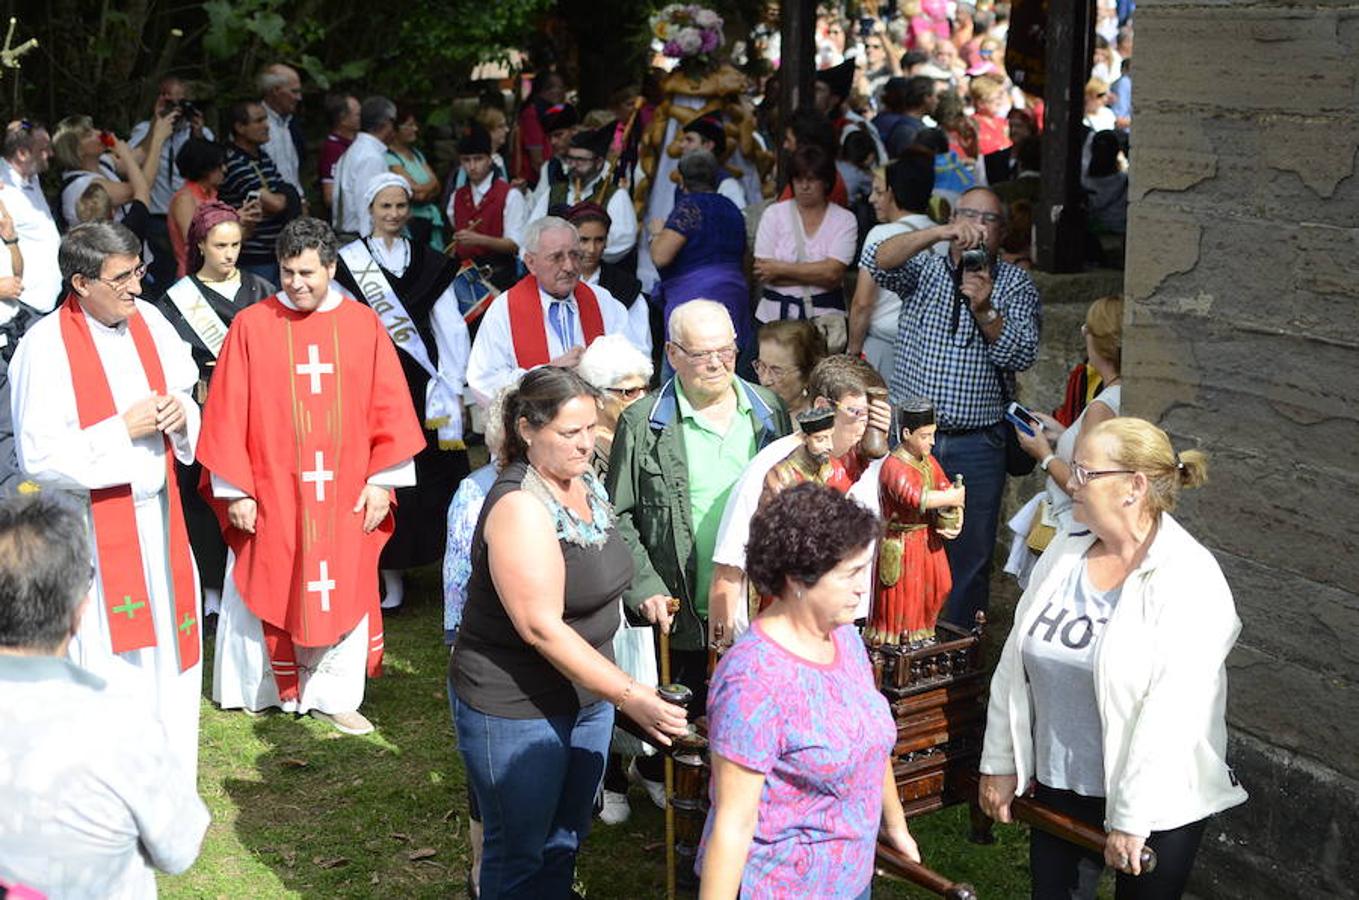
{"x": 535, "y": 781}
{"x": 979, "y": 455}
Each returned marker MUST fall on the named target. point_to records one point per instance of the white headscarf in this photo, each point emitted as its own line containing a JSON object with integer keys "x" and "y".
{"x": 385, "y": 180}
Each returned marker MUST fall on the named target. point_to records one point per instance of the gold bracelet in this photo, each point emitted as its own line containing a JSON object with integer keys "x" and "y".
{"x": 627, "y": 692}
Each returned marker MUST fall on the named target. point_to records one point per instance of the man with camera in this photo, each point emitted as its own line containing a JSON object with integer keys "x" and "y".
{"x": 171, "y": 101}
{"x": 969, "y": 322}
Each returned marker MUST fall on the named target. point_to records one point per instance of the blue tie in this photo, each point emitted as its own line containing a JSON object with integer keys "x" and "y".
{"x": 562, "y": 314}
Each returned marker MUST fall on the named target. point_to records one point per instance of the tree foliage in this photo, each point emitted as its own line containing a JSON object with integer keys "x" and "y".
{"x": 105, "y": 57}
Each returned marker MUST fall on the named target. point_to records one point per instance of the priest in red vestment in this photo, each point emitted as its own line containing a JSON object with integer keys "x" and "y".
{"x": 548, "y": 318}
{"x": 307, "y": 430}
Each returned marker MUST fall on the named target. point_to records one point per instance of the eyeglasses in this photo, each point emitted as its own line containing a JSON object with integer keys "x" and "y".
{"x": 629, "y": 393}
{"x": 580, "y": 160}
{"x": 989, "y": 218}
{"x": 118, "y": 282}
{"x": 725, "y": 355}
{"x": 856, "y": 412}
{"x": 774, "y": 372}
{"x": 1083, "y": 476}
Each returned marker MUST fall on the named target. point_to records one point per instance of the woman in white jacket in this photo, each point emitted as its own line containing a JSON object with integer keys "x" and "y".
{"x": 1109, "y": 698}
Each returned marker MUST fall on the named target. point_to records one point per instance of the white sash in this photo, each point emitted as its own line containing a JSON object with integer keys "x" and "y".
{"x": 199, "y": 314}
{"x": 443, "y": 406}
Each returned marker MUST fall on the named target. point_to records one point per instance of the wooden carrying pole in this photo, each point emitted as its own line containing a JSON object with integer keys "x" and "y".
{"x": 1035, "y": 814}
{"x": 672, "y": 607}
{"x": 891, "y": 862}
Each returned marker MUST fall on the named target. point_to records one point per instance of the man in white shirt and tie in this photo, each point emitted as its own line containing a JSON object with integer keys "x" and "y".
{"x": 548, "y": 318}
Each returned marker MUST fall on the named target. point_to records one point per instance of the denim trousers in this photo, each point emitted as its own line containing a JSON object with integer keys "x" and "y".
{"x": 535, "y": 781}
{"x": 979, "y": 456}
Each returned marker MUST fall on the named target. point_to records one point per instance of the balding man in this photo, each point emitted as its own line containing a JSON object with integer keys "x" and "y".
{"x": 966, "y": 327}
{"x": 361, "y": 162}
{"x": 548, "y": 318}
{"x": 280, "y": 90}
{"x": 676, "y": 455}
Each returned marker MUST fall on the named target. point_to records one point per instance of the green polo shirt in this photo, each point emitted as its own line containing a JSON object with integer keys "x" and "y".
{"x": 716, "y": 461}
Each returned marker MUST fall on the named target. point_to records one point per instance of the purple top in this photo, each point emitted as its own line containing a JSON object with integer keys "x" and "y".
{"x": 821, "y": 735}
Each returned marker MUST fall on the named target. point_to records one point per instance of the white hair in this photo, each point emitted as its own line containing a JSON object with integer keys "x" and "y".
{"x": 495, "y": 421}
{"x": 609, "y": 359}
{"x": 687, "y": 313}
{"x": 534, "y": 231}
{"x": 274, "y": 75}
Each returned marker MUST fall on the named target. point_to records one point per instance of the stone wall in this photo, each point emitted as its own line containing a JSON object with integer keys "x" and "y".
{"x": 1242, "y": 338}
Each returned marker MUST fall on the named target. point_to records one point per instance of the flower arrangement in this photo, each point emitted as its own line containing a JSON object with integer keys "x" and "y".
{"x": 687, "y": 31}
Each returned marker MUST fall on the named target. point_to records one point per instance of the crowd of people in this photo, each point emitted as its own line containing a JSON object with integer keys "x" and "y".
{"x": 243, "y": 390}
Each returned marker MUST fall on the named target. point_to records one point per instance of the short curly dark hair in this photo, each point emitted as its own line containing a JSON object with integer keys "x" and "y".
{"x": 803, "y": 533}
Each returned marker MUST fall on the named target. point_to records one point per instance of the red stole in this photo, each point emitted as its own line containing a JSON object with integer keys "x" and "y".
{"x": 303, "y": 409}
{"x": 528, "y": 331}
{"x": 127, "y": 601}
{"x": 486, "y": 217}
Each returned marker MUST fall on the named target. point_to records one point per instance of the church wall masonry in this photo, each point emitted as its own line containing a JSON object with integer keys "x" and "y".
{"x": 1242, "y": 338}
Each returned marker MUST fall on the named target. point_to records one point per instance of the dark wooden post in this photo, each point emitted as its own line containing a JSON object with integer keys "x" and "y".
{"x": 1061, "y": 214}
{"x": 796, "y": 62}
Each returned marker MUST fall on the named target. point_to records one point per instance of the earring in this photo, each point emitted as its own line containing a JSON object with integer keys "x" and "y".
{"x": 1130, "y": 501}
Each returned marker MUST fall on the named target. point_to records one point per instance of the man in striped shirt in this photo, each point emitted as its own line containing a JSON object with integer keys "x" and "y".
{"x": 962, "y": 335}
{"x": 254, "y": 186}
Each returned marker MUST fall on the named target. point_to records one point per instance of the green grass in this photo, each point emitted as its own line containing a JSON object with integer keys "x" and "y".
{"x": 301, "y": 811}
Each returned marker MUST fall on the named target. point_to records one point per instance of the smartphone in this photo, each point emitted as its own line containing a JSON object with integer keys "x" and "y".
{"x": 1022, "y": 419}
{"x": 251, "y": 196}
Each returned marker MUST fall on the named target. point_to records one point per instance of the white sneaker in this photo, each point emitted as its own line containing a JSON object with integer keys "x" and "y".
{"x": 616, "y": 809}
{"x": 346, "y": 722}
{"x": 654, "y": 789}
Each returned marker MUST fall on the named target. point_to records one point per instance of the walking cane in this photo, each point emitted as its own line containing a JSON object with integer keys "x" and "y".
{"x": 672, "y": 607}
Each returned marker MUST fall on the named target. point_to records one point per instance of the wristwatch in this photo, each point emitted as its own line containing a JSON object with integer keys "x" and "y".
{"x": 10, "y": 242}
{"x": 988, "y": 317}
{"x": 1047, "y": 461}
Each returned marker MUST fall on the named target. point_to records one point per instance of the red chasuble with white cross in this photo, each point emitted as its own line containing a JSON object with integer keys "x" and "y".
{"x": 303, "y": 409}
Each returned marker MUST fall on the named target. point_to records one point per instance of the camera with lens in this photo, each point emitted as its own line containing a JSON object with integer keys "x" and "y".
{"x": 975, "y": 259}
{"x": 187, "y": 109}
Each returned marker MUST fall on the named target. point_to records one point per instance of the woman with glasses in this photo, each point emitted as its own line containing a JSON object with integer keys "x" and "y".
{"x": 1108, "y": 701}
{"x": 1053, "y": 445}
{"x": 622, "y": 374}
{"x": 789, "y": 351}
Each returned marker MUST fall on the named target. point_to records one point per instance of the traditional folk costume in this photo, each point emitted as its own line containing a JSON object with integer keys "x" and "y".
{"x": 527, "y": 327}
{"x": 913, "y": 574}
{"x": 600, "y": 189}
{"x": 492, "y": 208}
{"x": 201, "y": 312}
{"x": 71, "y": 379}
{"x": 305, "y": 409}
{"x": 621, "y": 284}
{"x": 409, "y": 286}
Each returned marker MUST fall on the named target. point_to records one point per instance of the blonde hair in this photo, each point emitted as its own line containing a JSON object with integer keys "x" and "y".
{"x": 66, "y": 141}
{"x": 1096, "y": 86}
{"x": 94, "y": 204}
{"x": 984, "y": 88}
{"x": 1104, "y": 323}
{"x": 491, "y": 118}
{"x": 1137, "y": 444}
